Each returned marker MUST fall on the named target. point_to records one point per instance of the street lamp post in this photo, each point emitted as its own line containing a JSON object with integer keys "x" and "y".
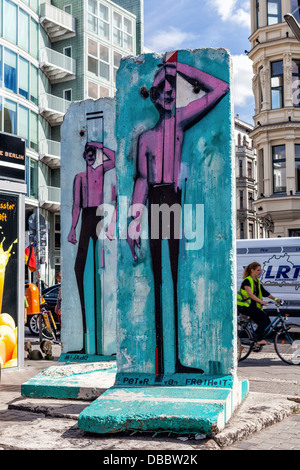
{"x": 293, "y": 24}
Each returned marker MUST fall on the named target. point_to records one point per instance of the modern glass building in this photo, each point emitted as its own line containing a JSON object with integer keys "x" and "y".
{"x": 52, "y": 53}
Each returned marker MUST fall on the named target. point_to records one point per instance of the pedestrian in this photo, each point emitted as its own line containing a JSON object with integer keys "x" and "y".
{"x": 250, "y": 300}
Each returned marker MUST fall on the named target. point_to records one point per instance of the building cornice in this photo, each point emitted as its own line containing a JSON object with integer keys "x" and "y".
{"x": 273, "y": 127}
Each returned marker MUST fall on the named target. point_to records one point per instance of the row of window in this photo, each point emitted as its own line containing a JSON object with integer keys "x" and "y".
{"x": 274, "y": 11}
{"x": 279, "y": 168}
{"x": 18, "y": 75}
{"x": 277, "y": 80}
{"x": 119, "y": 27}
{"x": 18, "y": 120}
{"x": 100, "y": 60}
{"x": 19, "y": 27}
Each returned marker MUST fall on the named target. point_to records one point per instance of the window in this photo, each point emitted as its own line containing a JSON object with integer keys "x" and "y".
{"x": 240, "y": 168}
{"x": 68, "y": 9}
{"x": 257, "y": 14}
{"x": 23, "y": 39}
{"x": 92, "y": 7}
{"x": 23, "y": 123}
{"x": 10, "y": 70}
{"x": 93, "y": 65}
{"x": 92, "y": 24}
{"x": 241, "y": 200}
{"x": 104, "y": 62}
{"x": 251, "y": 231}
{"x": 68, "y": 94}
{"x": 10, "y": 23}
{"x": 33, "y": 84}
{"x": 295, "y": 9}
{"x": 122, "y": 32}
{"x": 24, "y": 77}
{"x": 10, "y": 117}
{"x": 57, "y": 232}
{"x": 93, "y": 48}
{"x": 34, "y": 5}
{"x": 296, "y": 82}
{"x": 34, "y": 38}
{"x": 117, "y": 61}
{"x": 274, "y": 11}
{"x": 250, "y": 199}
{"x": 92, "y": 90}
{"x": 249, "y": 170}
{"x": 68, "y": 51}
{"x": 33, "y": 131}
{"x": 277, "y": 84}
{"x": 104, "y": 21}
{"x": 294, "y": 232}
{"x": 279, "y": 169}
{"x": 33, "y": 178}
{"x": 241, "y": 230}
{"x": 104, "y": 92}
{"x": 297, "y": 167}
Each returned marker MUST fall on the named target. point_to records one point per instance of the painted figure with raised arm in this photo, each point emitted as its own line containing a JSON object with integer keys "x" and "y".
{"x": 183, "y": 95}
{"x": 87, "y": 197}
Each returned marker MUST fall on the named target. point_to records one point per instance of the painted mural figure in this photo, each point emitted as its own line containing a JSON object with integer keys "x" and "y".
{"x": 183, "y": 95}
{"x": 87, "y": 196}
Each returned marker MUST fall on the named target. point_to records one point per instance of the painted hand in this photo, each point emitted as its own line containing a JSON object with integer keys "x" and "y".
{"x": 72, "y": 236}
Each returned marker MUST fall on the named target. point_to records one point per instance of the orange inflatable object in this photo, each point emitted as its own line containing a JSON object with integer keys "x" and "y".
{"x": 33, "y": 298}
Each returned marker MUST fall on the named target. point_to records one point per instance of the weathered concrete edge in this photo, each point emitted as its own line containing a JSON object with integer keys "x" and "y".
{"x": 256, "y": 413}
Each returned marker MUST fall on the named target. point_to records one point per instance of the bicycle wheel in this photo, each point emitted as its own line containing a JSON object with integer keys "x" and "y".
{"x": 246, "y": 342}
{"x": 287, "y": 344}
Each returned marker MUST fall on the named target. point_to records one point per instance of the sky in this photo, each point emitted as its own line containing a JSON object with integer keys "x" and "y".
{"x": 193, "y": 24}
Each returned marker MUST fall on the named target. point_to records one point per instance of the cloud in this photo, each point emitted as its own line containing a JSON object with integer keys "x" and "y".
{"x": 236, "y": 11}
{"x": 242, "y": 79}
{"x": 169, "y": 39}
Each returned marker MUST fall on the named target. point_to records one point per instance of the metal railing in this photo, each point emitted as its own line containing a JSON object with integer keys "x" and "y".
{"x": 52, "y": 102}
{"x": 57, "y": 16}
{"x": 58, "y": 60}
{"x": 50, "y": 147}
{"x": 50, "y": 194}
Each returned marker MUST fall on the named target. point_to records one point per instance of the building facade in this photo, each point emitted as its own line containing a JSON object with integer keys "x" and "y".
{"x": 52, "y": 53}
{"x": 249, "y": 223}
{"x": 275, "y": 53}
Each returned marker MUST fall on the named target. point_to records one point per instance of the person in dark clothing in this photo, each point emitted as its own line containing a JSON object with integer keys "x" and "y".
{"x": 250, "y": 300}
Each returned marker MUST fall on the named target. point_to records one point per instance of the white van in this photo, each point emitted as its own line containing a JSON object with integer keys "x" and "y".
{"x": 280, "y": 262}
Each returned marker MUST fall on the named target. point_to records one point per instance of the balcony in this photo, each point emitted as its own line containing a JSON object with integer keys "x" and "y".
{"x": 58, "y": 67}
{"x": 50, "y": 153}
{"x": 50, "y": 198}
{"x": 53, "y": 108}
{"x": 57, "y": 23}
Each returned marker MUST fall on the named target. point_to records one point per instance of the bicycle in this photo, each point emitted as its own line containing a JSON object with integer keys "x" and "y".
{"x": 286, "y": 337}
{"x": 49, "y": 328}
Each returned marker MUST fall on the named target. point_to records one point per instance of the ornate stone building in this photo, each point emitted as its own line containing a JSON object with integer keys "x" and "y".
{"x": 275, "y": 53}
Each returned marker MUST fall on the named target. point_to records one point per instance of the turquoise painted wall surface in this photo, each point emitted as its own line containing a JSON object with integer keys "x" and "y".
{"x": 206, "y": 274}
{"x": 98, "y": 273}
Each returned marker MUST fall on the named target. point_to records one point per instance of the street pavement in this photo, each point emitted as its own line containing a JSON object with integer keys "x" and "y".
{"x": 268, "y": 419}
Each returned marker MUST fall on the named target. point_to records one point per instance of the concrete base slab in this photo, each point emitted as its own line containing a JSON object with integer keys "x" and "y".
{"x": 172, "y": 409}
{"x": 71, "y": 379}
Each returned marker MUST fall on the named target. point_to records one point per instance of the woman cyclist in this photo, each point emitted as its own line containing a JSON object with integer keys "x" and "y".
{"x": 250, "y": 300}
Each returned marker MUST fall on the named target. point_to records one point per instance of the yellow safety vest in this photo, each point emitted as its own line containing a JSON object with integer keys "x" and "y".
{"x": 243, "y": 299}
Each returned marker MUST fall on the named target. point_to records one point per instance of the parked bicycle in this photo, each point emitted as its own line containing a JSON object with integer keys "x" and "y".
{"x": 49, "y": 328}
{"x": 286, "y": 337}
